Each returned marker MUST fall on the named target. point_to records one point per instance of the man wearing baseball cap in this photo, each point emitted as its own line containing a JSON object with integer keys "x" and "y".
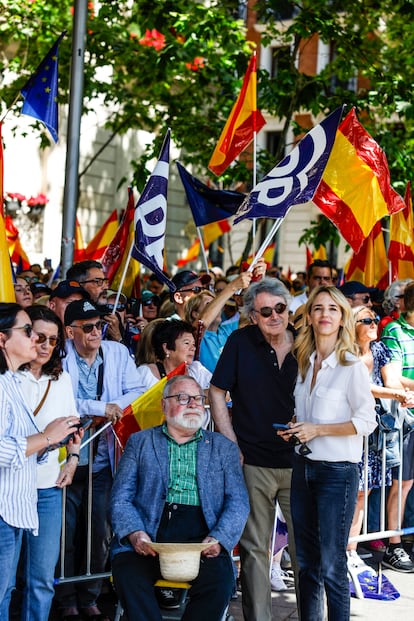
{"x": 188, "y": 283}
{"x": 357, "y": 293}
{"x": 105, "y": 380}
{"x": 66, "y": 292}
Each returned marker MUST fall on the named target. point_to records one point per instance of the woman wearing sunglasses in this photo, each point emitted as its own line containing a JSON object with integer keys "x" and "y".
{"x": 385, "y": 383}
{"x": 47, "y": 390}
{"x": 21, "y": 440}
{"x": 334, "y": 409}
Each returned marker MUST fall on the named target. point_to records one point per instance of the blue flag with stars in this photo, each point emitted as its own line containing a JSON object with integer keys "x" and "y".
{"x": 150, "y": 217}
{"x": 41, "y": 90}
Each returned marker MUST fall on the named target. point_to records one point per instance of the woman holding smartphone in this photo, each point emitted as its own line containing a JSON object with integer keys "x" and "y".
{"x": 334, "y": 409}
{"x": 48, "y": 392}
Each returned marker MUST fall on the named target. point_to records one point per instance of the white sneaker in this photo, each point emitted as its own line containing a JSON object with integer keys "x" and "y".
{"x": 276, "y": 578}
{"x": 356, "y": 564}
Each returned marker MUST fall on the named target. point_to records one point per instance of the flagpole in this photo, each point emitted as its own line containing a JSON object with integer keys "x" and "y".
{"x": 121, "y": 283}
{"x": 203, "y": 250}
{"x": 266, "y": 242}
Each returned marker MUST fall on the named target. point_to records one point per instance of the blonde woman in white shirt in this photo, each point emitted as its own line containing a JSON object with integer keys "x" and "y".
{"x": 48, "y": 392}
{"x": 334, "y": 410}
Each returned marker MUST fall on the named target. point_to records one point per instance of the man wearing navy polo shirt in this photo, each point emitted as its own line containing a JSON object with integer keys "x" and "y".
{"x": 259, "y": 370}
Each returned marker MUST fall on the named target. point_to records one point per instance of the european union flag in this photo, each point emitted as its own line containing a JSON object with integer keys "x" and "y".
{"x": 40, "y": 91}
{"x": 208, "y": 204}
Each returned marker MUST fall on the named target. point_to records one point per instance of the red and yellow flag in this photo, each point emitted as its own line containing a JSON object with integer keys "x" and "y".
{"x": 370, "y": 265}
{"x": 214, "y": 230}
{"x": 146, "y": 410}
{"x": 401, "y": 247}
{"x": 79, "y": 249}
{"x": 244, "y": 120}
{"x": 320, "y": 254}
{"x": 191, "y": 255}
{"x": 18, "y": 255}
{"x": 355, "y": 190}
{"x": 6, "y": 276}
{"x": 117, "y": 252}
{"x": 98, "y": 244}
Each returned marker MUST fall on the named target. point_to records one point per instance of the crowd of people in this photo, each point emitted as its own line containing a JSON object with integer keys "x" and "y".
{"x": 295, "y": 373}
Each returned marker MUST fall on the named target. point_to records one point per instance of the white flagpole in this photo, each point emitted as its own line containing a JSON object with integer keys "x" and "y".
{"x": 203, "y": 250}
{"x": 118, "y": 293}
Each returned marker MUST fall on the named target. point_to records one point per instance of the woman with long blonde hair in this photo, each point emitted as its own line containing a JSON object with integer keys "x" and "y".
{"x": 334, "y": 409}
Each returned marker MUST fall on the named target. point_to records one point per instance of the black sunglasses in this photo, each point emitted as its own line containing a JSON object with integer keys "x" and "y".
{"x": 88, "y": 327}
{"x": 367, "y": 321}
{"x": 193, "y": 289}
{"x": 155, "y": 300}
{"x": 266, "y": 311}
{"x": 52, "y": 340}
{"x": 119, "y": 307}
{"x": 365, "y": 299}
{"x": 27, "y": 329}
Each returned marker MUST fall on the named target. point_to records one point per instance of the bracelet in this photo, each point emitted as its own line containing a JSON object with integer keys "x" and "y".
{"x": 69, "y": 455}
{"x": 48, "y": 439}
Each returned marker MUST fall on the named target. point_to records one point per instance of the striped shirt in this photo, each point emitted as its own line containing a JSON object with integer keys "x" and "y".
{"x": 182, "y": 461}
{"x": 398, "y": 336}
{"x": 18, "y": 491}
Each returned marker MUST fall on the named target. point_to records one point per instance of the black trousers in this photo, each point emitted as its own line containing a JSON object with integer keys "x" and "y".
{"x": 135, "y": 575}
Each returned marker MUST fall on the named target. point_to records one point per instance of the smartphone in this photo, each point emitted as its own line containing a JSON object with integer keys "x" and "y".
{"x": 280, "y": 426}
{"x": 84, "y": 424}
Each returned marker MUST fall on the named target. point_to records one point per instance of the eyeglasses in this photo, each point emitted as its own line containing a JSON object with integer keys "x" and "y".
{"x": 27, "y": 329}
{"x": 184, "y": 399}
{"x": 266, "y": 311}
{"x": 367, "y": 321}
{"x": 21, "y": 289}
{"x": 193, "y": 289}
{"x": 52, "y": 340}
{"x": 364, "y": 298}
{"x": 88, "y": 327}
{"x": 96, "y": 281}
{"x": 399, "y": 297}
{"x": 119, "y": 307}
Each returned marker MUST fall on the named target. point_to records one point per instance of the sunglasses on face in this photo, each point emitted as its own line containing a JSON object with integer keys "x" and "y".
{"x": 266, "y": 311}
{"x": 88, "y": 327}
{"x": 193, "y": 289}
{"x": 96, "y": 281}
{"x": 152, "y": 301}
{"x": 119, "y": 307}
{"x": 399, "y": 297}
{"x": 27, "y": 329}
{"x": 52, "y": 340}
{"x": 367, "y": 321}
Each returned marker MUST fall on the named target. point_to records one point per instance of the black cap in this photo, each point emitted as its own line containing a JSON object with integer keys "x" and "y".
{"x": 40, "y": 287}
{"x": 187, "y": 277}
{"x": 81, "y": 309}
{"x": 353, "y": 286}
{"x": 66, "y": 288}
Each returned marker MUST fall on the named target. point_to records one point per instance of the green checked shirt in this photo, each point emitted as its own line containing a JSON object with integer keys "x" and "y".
{"x": 182, "y": 461}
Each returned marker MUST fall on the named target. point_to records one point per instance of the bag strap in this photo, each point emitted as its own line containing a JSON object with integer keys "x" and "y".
{"x": 42, "y": 400}
{"x": 161, "y": 369}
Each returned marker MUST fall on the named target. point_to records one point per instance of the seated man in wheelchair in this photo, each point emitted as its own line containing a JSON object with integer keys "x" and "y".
{"x": 177, "y": 483}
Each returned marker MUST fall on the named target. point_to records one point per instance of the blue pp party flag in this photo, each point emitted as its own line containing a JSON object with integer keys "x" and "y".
{"x": 150, "y": 217}
{"x": 295, "y": 179}
{"x": 41, "y": 90}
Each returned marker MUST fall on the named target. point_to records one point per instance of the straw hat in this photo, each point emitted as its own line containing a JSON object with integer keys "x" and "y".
{"x": 180, "y": 562}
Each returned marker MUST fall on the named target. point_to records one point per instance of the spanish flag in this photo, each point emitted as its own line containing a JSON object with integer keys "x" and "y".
{"x": 355, "y": 191}
{"x": 145, "y": 411}
{"x": 79, "y": 249}
{"x": 6, "y": 278}
{"x": 244, "y": 121}
{"x": 98, "y": 244}
{"x": 370, "y": 265}
{"x": 401, "y": 248}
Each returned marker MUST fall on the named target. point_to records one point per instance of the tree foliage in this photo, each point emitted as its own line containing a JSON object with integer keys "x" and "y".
{"x": 181, "y": 63}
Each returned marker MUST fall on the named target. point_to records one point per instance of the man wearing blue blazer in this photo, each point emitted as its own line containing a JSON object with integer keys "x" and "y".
{"x": 177, "y": 483}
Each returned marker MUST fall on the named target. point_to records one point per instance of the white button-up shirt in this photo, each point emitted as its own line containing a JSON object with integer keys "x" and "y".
{"x": 340, "y": 394}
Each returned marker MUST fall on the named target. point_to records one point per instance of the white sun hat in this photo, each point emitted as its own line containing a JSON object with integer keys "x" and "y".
{"x": 180, "y": 562}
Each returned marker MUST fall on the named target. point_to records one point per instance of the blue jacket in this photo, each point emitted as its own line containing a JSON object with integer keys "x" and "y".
{"x": 140, "y": 488}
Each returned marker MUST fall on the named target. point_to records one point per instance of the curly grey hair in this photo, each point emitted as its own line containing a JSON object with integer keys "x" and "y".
{"x": 273, "y": 286}
{"x": 395, "y": 288}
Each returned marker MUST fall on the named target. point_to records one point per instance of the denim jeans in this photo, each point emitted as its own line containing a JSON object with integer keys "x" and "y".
{"x": 40, "y": 556}
{"x": 10, "y": 545}
{"x": 323, "y": 498}
{"x": 85, "y": 594}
